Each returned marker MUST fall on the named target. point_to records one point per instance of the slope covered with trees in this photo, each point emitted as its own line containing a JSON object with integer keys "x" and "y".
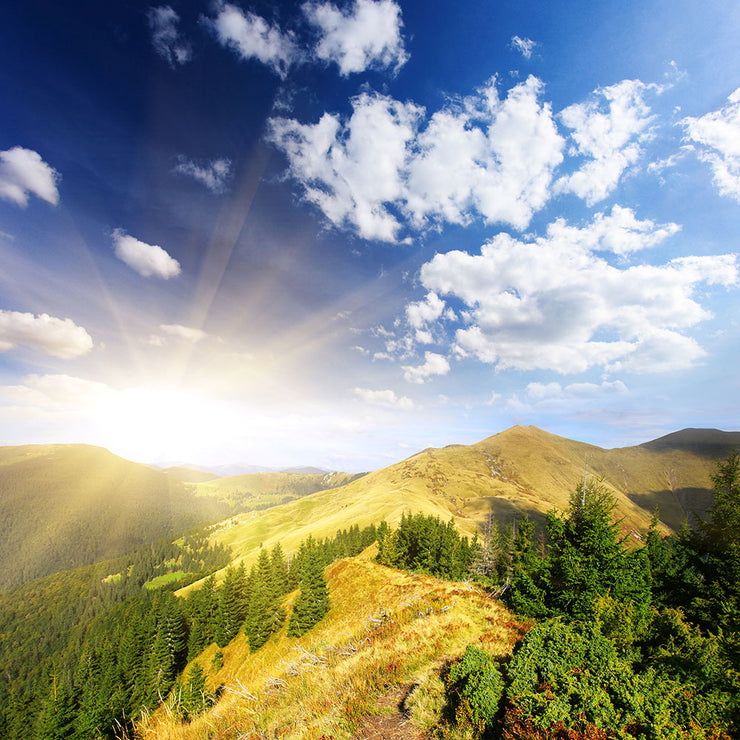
{"x": 65, "y": 506}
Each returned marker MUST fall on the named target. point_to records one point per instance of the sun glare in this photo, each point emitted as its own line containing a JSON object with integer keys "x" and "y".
{"x": 160, "y": 424}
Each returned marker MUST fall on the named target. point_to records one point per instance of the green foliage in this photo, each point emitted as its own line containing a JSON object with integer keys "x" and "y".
{"x": 572, "y": 676}
{"x": 195, "y": 698}
{"x": 528, "y": 593}
{"x": 587, "y": 556}
{"x": 233, "y": 601}
{"x": 475, "y": 687}
{"x": 423, "y": 543}
{"x": 312, "y": 604}
{"x": 265, "y": 613}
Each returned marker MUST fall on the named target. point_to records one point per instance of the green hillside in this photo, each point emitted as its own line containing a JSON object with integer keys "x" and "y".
{"x": 64, "y": 506}
{"x": 523, "y": 470}
{"x": 254, "y": 491}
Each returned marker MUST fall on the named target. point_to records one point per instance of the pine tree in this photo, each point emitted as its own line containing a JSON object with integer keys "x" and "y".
{"x": 195, "y": 699}
{"x": 527, "y": 592}
{"x": 265, "y": 613}
{"x": 232, "y": 608}
{"x": 55, "y": 720}
{"x": 588, "y": 558}
{"x": 312, "y": 604}
{"x": 202, "y": 609}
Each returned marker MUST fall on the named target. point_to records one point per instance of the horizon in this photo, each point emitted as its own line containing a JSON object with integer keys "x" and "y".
{"x": 286, "y": 468}
{"x": 341, "y": 233}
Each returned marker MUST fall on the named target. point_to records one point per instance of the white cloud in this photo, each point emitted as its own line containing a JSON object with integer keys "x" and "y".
{"x": 56, "y": 391}
{"x": 48, "y": 334}
{"x": 252, "y": 37}
{"x": 524, "y": 46}
{"x": 147, "y": 259}
{"x": 22, "y": 171}
{"x": 608, "y": 129}
{"x": 421, "y": 313}
{"x": 186, "y": 333}
{"x": 386, "y": 398}
{"x": 352, "y": 172}
{"x": 718, "y": 136}
{"x": 213, "y": 174}
{"x": 482, "y": 155}
{"x": 538, "y": 392}
{"x": 557, "y": 303}
{"x": 619, "y": 232}
{"x": 434, "y": 364}
{"x": 367, "y": 34}
{"x": 168, "y": 42}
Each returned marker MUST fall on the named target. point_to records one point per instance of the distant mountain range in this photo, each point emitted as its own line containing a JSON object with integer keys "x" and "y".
{"x": 197, "y": 473}
{"x": 62, "y": 506}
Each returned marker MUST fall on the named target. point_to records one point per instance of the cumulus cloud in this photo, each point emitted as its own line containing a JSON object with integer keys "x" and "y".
{"x": 423, "y": 312}
{"x": 524, "y": 46}
{"x": 147, "y": 259}
{"x": 23, "y": 172}
{"x": 168, "y": 42}
{"x": 366, "y": 34}
{"x": 481, "y": 155}
{"x": 717, "y": 135}
{"x": 252, "y": 37}
{"x": 558, "y": 303}
{"x": 386, "y": 398}
{"x": 186, "y": 333}
{"x": 213, "y": 174}
{"x": 434, "y": 364}
{"x": 48, "y": 334}
{"x": 608, "y": 129}
{"x": 353, "y": 171}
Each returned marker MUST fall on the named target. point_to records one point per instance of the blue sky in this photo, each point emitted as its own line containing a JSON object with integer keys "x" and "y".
{"x": 335, "y": 234}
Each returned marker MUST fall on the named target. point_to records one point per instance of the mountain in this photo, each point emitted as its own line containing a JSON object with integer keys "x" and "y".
{"x": 523, "y": 470}
{"x": 63, "y": 506}
{"x": 186, "y": 474}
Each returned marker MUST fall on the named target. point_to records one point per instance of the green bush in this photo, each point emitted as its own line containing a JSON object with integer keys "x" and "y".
{"x": 571, "y": 676}
{"x": 475, "y": 687}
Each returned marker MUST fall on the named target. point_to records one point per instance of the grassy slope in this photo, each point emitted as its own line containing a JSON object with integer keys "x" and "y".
{"x": 358, "y": 656}
{"x": 253, "y": 490}
{"x": 521, "y": 470}
{"x": 63, "y": 506}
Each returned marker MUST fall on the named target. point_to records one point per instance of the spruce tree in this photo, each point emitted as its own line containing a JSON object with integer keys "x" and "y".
{"x": 527, "y": 592}
{"x": 312, "y": 604}
{"x": 265, "y": 613}
{"x": 588, "y": 558}
{"x": 232, "y": 608}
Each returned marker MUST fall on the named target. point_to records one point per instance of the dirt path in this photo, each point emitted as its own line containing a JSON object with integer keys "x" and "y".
{"x": 392, "y": 724}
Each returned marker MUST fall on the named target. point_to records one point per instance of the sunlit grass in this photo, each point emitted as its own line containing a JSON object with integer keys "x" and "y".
{"x": 386, "y": 628}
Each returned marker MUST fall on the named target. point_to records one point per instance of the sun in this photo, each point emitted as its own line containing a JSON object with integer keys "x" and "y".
{"x": 159, "y": 424}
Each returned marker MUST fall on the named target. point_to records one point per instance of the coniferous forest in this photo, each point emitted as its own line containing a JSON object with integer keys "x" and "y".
{"x": 83, "y": 652}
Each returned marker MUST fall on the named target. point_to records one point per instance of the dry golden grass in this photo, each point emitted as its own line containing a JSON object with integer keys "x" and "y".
{"x": 386, "y": 628}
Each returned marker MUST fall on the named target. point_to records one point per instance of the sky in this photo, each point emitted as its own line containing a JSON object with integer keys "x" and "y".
{"x": 334, "y": 234}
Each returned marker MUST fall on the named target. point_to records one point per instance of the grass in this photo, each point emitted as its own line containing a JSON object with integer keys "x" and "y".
{"x": 385, "y": 629}
{"x": 164, "y": 580}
